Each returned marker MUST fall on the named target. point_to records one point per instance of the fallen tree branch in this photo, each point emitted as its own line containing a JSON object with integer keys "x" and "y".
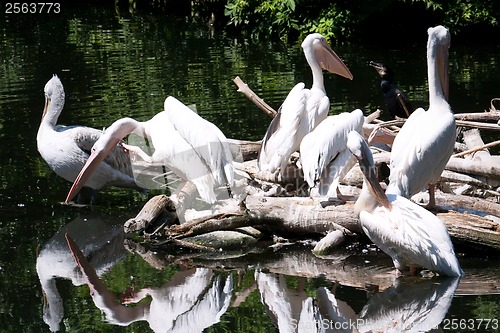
{"x": 487, "y": 116}
{"x": 480, "y": 168}
{"x": 475, "y": 124}
{"x": 470, "y": 151}
{"x": 244, "y": 89}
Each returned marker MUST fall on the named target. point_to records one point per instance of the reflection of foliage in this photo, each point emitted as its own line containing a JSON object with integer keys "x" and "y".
{"x": 486, "y": 307}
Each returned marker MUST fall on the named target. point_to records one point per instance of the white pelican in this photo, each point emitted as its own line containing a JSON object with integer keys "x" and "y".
{"x": 303, "y": 109}
{"x": 324, "y": 154}
{"x": 407, "y": 232}
{"x": 192, "y": 147}
{"x": 425, "y": 143}
{"x": 66, "y": 148}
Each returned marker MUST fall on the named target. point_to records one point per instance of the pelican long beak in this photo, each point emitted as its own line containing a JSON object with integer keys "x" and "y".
{"x": 442, "y": 59}
{"x": 46, "y": 107}
{"x": 89, "y": 272}
{"x": 330, "y": 61}
{"x": 91, "y": 165}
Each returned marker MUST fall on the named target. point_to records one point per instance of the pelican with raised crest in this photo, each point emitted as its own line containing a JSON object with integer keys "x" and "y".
{"x": 66, "y": 148}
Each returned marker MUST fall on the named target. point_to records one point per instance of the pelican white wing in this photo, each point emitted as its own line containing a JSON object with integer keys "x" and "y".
{"x": 204, "y": 137}
{"x": 280, "y": 139}
{"x": 323, "y": 152}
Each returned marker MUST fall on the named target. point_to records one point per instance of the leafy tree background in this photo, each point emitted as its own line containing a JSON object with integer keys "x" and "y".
{"x": 382, "y": 21}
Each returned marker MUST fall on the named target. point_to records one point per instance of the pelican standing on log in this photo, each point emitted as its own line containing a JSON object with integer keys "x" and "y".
{"x": 408, "y": 233}
{"x": 425, "y": 143}
{"x": 323, "y": 152}
{"x": 303, "y": 109}
{"x": 66, "y": 148}
{"x": 193, "y": 148}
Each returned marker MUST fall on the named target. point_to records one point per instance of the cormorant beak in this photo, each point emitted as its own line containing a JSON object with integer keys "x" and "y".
{"x": 378, "y": 67}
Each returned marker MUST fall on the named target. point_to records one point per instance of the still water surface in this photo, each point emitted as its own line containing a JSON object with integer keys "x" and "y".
{"x": 114, "y": 65}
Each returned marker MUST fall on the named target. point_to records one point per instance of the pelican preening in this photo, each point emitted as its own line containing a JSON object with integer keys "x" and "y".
{"x": 396, "y": 101}
{"x": 323, "y": 152}
{"x": 192, "y": 147}
{"x": 303, "y": 109}
{"x": 407, "y": 232}
{"x": 66, "y": 148}
{"x": 425, "y": 143}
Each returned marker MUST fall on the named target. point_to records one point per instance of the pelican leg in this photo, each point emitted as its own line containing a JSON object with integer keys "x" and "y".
{"x": 432, "y": 197}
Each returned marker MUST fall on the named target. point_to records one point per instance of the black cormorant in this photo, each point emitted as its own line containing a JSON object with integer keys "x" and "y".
{"x": 395, "y": 100}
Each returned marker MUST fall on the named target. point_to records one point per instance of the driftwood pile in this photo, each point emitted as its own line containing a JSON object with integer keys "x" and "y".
{"x": 277, "y": 208}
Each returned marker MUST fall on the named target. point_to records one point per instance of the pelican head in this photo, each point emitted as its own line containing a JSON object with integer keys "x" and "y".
{"x": 54, "y": 97}
{"x": 438, "y": 44}
{"x": 318, "y": 51}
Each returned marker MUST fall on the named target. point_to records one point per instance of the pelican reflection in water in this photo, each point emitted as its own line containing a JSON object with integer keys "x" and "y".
{"x": 191, "y": 301}
{"x": 406, "y": 306}
{"x": 100, "y": 238}
{"x": 418, "y": 306}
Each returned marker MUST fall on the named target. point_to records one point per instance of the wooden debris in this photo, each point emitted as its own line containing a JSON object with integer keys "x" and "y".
{"x": 159, "y": 209}
{"x": 243, "y": 88}
{"x": 328, "y": 243}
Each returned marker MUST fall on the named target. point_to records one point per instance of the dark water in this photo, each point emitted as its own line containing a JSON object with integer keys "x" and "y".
{"x": 116, "y": 64}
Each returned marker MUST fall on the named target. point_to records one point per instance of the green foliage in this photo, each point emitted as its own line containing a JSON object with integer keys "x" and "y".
{"x": 332, "y": 23}
{"x": 458, "y": 14}
{"x": 343, "y": 19}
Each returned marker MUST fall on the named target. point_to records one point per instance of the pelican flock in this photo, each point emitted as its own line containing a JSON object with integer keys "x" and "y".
{"x": 425, "y": 143}
{"x": 193, "y": 148}
{"x": 303, "y": 109}
{"x": 67, "y": 148}
{"x": 198, "y": 152}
